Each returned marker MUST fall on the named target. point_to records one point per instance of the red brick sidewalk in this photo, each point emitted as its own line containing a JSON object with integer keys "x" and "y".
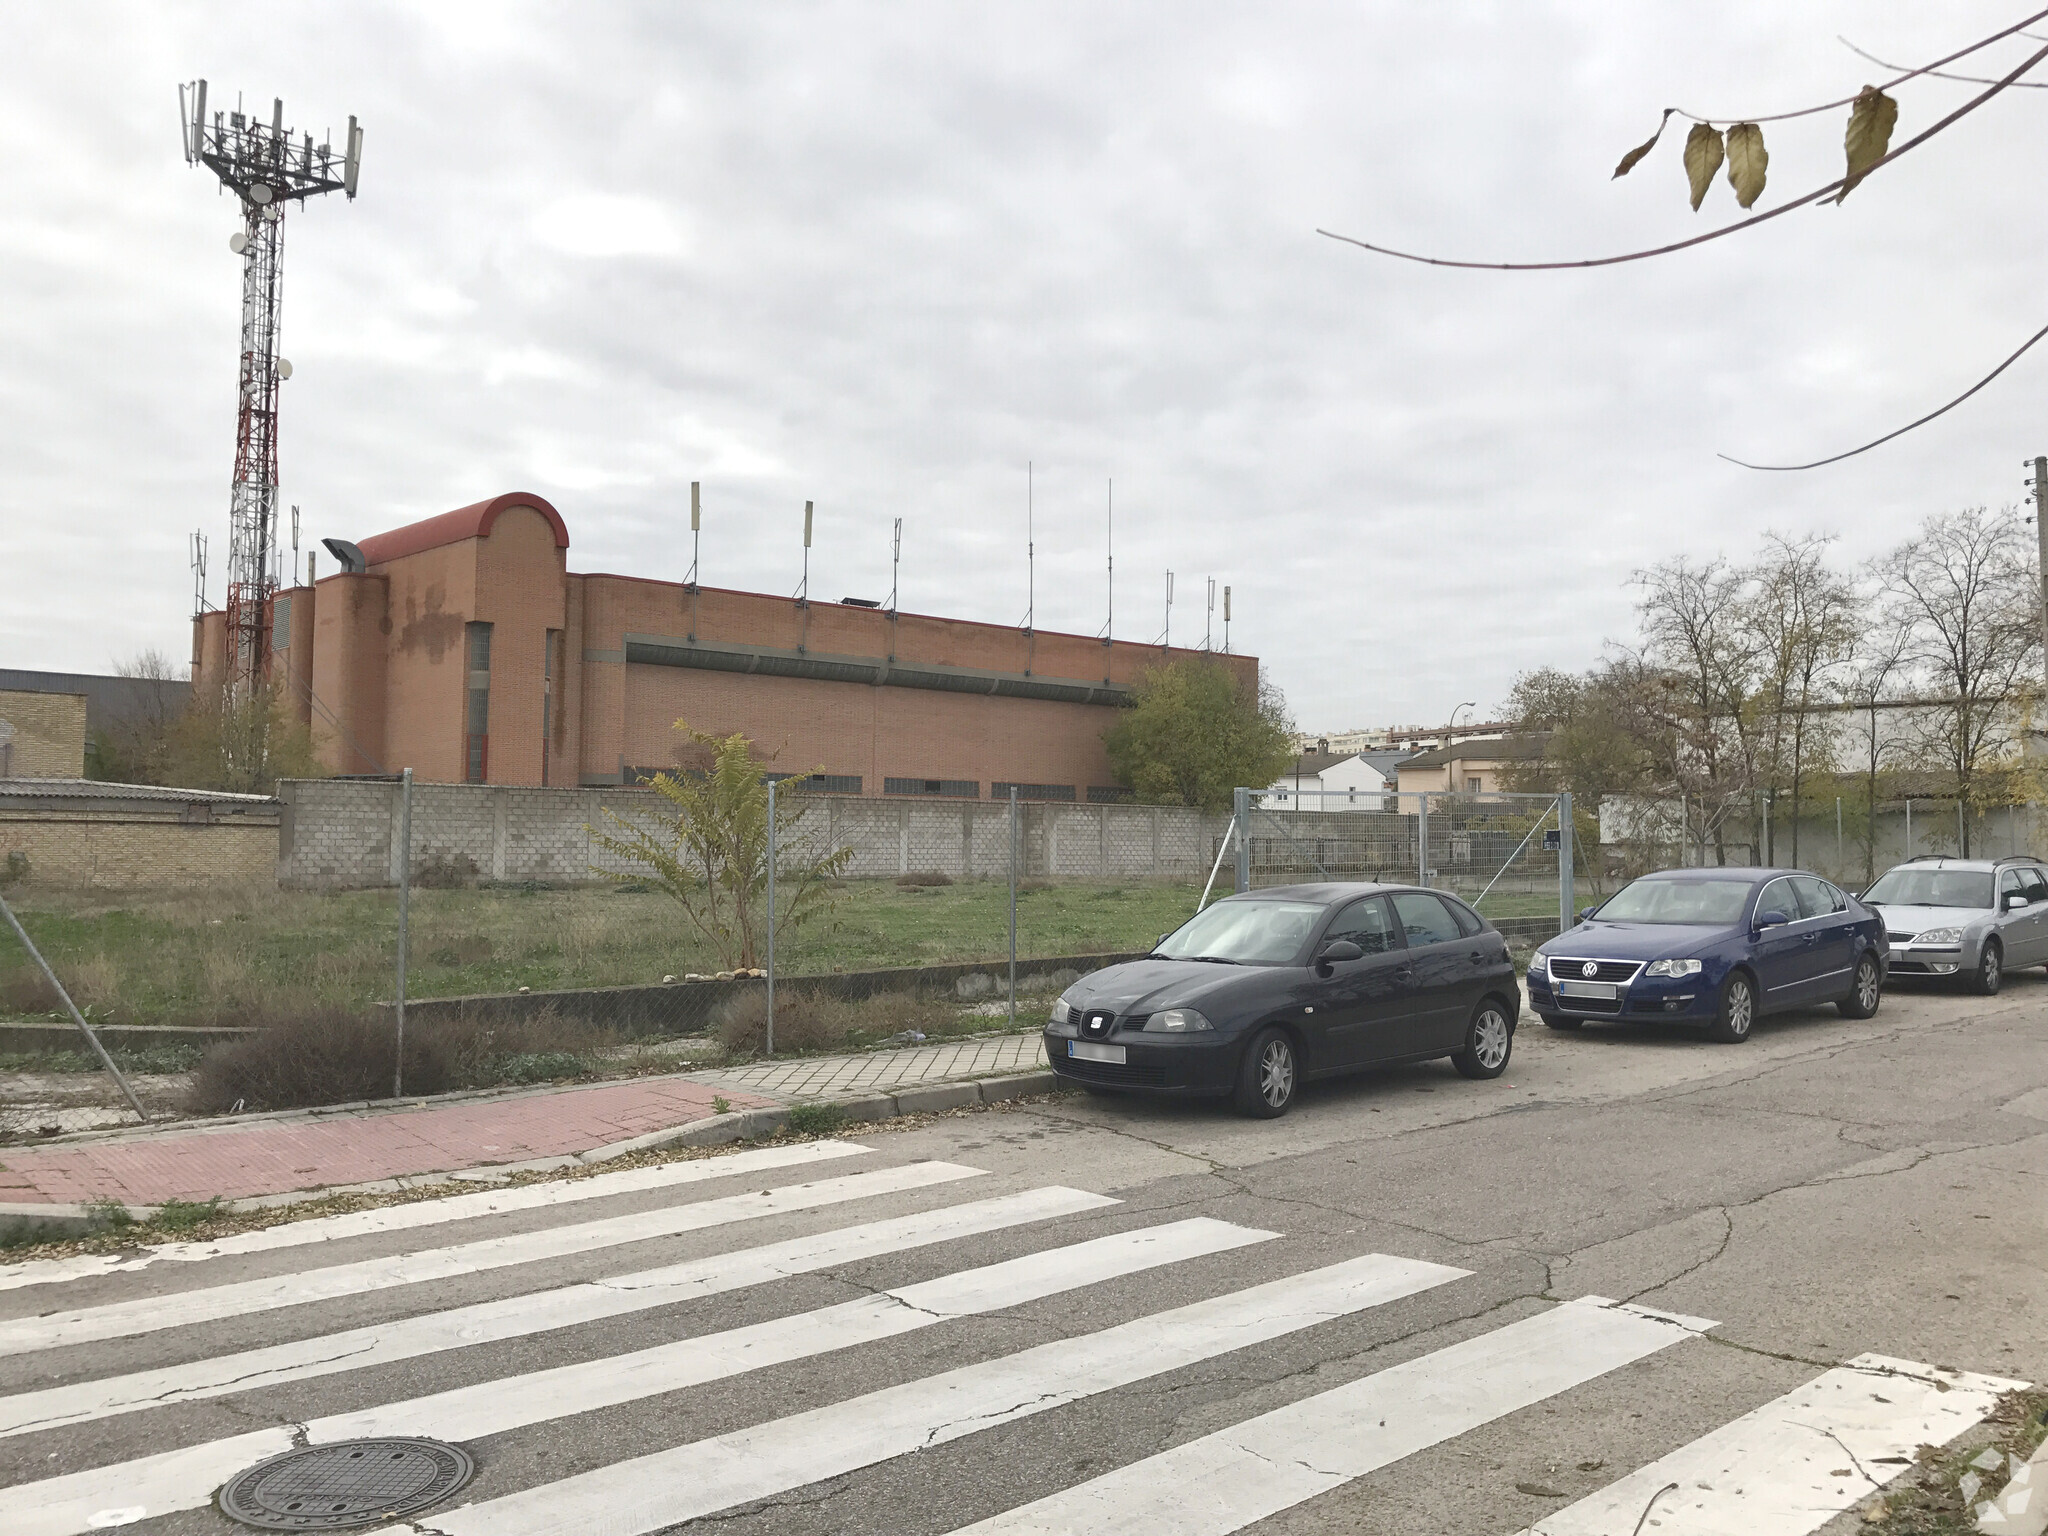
{"x": 273, "y": 1157}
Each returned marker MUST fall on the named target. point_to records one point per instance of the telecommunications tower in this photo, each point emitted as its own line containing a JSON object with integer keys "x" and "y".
{"x": 261, "y": 165}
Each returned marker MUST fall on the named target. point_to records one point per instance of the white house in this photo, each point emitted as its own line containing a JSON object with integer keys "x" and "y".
{"x": 1330, "y": 781}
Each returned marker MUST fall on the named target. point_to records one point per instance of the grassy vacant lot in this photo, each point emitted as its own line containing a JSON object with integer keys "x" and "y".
{"x": 227, "y": 957}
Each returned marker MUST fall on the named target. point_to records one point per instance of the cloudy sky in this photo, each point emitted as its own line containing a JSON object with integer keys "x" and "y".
{"x": 884, "y": 256}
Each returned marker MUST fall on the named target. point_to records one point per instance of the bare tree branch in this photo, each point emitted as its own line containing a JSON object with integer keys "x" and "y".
{"x": 1931, "y": 72}
{"x": 1713, "y": 234}
{"x": 1909, "y": 426}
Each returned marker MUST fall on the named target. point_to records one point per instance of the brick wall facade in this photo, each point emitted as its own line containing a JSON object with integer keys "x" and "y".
{"x": 338, "y": 835}
{"x": 131, "y": 849}
{"x": 48, "y": 741}
{"x": 589, "y": 673}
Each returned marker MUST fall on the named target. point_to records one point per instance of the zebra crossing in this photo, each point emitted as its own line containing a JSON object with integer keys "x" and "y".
{"x": 1774, "y": 1470}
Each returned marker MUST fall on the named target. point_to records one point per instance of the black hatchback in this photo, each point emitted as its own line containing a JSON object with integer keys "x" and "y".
{"x": 1262, "y": 990}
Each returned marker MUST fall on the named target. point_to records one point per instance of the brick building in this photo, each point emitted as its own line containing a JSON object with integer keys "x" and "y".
{"x": 468, "y": 651}
{"x": 42, "y": 735}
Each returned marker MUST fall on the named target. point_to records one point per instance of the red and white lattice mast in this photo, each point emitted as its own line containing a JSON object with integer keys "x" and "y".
{"x": 263, "y": 166}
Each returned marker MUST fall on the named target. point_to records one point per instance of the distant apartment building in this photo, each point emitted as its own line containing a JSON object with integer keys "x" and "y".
{"x": 465, "y": 649}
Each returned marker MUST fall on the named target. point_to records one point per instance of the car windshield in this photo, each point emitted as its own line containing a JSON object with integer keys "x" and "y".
{"x": 1923, "y": 887}
{"x": 1248, "y": 932}
{"x": 1677, "y": 901}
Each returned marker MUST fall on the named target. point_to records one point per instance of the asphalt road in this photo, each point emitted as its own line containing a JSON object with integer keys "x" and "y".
{"x": 1828, "y": 1190}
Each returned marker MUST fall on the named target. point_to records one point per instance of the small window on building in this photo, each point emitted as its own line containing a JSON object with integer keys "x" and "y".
{"x": 477, "y": 727}
{"x": 1472, "y": 785}
{"x": 956, "y": 789}
{"x": 1032, "y": 791}
{"x": 820, "y": 783}
{"x": 1104, "y": 794}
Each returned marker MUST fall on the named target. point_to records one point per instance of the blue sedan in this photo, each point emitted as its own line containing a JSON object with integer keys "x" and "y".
{"x": 1717, "y": 947}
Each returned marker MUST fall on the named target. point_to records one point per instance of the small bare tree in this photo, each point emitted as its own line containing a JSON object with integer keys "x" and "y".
{"x": 1874, "y": 675}
{"x": 1802, "y": 612}
{"x": 707, "y": 849}
{"x": 1966, "y": 593}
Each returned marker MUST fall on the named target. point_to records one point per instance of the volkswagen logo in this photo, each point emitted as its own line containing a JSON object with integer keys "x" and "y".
{"x": 1590, "y": 968}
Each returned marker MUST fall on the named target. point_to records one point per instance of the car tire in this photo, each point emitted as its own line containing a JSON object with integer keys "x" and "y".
{"x": 1559, "y": 1021}
{"x": 1736, "y": 1016}
{"x": 1268, "y": 1075}
{"x": 1489, "y": 1041}
{"x": 1865, "y": 992}
{"x": 1990, "y": 973}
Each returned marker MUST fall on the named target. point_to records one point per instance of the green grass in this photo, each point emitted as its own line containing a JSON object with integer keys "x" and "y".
{"x": 231, "y": 957}
{"x": 243, "y": 957}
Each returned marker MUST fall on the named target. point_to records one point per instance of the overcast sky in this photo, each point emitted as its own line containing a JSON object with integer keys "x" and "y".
{"x": 881, "y": 256}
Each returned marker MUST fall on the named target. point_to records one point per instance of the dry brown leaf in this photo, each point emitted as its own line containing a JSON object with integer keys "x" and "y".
{"x": 1702, "y": 159}
{"x": 1872, "y": 116}
{"x": 1628, "y": 161}
{"x": 1747, "y": 161}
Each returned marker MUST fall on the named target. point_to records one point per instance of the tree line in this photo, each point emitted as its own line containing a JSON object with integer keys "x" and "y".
{"x": 1755, "y": 691}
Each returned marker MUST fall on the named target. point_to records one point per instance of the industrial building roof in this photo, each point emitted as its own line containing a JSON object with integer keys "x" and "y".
{"x": 471, "y": 522}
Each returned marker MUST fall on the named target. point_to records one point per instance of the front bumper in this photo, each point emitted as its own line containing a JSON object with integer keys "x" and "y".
{"x": 1935, "y": 961}
{"x": 1645, "y": 1000}
{"x": 1191, "y": 1067}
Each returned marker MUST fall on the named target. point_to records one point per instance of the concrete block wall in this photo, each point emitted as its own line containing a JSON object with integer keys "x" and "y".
{"x": 140, "y": 850}
{"x": 339, "y": 834}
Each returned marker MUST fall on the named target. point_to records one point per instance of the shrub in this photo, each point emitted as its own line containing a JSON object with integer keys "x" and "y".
{"x": 444, "y": 871}
{"x": 918, "y": 877}
{"x": 814, "y": 1119}
{"x": 332, "y": 1056}
{"x": 183, "y": 1215}
{"x": 818, "y": 1021}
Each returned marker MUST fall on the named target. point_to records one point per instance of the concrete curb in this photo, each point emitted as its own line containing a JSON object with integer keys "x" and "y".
{"x": 58, "y": 1221}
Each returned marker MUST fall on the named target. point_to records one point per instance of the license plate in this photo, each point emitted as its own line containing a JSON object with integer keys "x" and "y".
{"x": 1600, "y": 989}
{"x": 1082, "y": 1050}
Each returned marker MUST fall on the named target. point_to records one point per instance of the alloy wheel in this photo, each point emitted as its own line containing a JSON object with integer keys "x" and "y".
{"x": 1276, "y": 1073}
{"x": 1490, "y": 1039}
{"x": 1867, "y": 985}
{"x": 1741, "y": 1007}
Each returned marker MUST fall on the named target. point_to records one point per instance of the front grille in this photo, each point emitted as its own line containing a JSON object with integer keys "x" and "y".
{"x": 1901, "y": 938}
{"x": 1590, "y": 1004}
{"x": 1911, "y": 968}
{"x": 1108, "y": 1072}
{"x": 1609, "y": 970}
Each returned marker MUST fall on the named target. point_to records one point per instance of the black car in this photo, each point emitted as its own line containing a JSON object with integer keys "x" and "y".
{"x": 1261, "y": 990}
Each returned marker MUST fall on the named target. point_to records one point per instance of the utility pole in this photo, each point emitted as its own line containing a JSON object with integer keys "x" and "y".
{"x": 2041, "y": 539}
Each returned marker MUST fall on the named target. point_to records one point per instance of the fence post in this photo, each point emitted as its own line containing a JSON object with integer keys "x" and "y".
{"x": 1241, "y": 818}
{"x": 1909, "y": 829}
{"x": 770, "y": 1050}
{"x": 71, "y": 1008}
{"x": 404, "y": 925}
{"x": 1422, "y": 838}
{"x": 1838, "y": 833}
{"x": 1013, "y": 906}
{"x": 1567, "y": 834}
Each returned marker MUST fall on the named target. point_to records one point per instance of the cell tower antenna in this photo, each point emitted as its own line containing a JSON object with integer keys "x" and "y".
{"x": 198, "y": 572}
{"x": 295, "y": 541}
{"x": 1109, "y": 624}
{"x": 895, "y": 564}
{"x": 267, "y": 171}
{"x": 696, "y": 528}
{"x": 1030, "y": 555}
{"x": 1209, "y": 615}
{"x": 1166, "y": 634}
{"x": 1226, "y": 621}
{"x": 803, "y": 591}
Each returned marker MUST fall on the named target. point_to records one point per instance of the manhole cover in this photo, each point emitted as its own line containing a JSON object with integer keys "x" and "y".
{"x": 354, "y": 1482}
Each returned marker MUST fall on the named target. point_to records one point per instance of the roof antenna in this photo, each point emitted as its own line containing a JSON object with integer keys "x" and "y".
{"x": 895, "y": 564}
{"x": 803, "y": 591}
{"x": 1109, "y": 624}
{"x": 1209, "y": 617}
{"x": 1030, "y": 556}
{"x": 1226, "y": 621}
{"x": 696, "y": 528}
{"x": 1166, "y": 634}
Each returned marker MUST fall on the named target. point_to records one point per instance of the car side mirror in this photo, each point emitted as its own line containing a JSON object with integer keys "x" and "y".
{"x": 1771, "y": 919}
{"x": 2014, "y": 900}
{"x": 1338, "y": 950}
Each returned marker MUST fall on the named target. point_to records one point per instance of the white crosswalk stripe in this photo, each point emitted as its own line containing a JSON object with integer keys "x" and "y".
{"x": 669, "y": 1487}
{"x": 1782, "y": 1469}
{"x": 1225, "y": 1481}
{"x": 1792, "y": 1465}
{"x": 184, "y": 1479}
{"x": 426, "y": 1213}
{"x": 517, "y": 1316}
{"x": 181, "y": 1309}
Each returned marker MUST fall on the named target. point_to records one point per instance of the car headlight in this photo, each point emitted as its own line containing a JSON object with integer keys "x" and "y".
{"x": 1062, "y": 1020}
{"x": 1672, "y": 968}
{"x": 1176, "y": 1021}
{"x": 1939, "y": 936}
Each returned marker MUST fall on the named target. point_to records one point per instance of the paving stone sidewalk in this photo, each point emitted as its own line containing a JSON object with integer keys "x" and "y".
{"x": 286, "y": 1154}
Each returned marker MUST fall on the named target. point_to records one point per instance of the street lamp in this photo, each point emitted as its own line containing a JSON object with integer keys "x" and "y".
{"x": 1468, "y": 704}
